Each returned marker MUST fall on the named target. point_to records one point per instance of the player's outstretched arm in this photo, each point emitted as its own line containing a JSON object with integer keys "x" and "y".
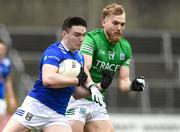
{"x": 123, "y": 79}
{"x": 126, "y": 85}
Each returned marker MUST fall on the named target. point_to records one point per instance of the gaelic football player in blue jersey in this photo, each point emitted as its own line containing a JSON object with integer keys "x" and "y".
{"x": 44, "y": 107}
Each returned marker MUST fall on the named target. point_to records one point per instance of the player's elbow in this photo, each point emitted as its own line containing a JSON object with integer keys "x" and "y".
{"x": 46, "y": 81}
{"x": 76, "y": 97}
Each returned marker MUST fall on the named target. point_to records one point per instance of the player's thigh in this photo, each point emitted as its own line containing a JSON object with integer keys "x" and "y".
{"x": 14, "y": 126}
{"x": 99, "y": 126}
{"x": 77, "y": 126}
{"x": 57, "y": 128}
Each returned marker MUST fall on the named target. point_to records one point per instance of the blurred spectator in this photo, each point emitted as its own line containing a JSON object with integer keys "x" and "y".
{"x": 5, "y": 85}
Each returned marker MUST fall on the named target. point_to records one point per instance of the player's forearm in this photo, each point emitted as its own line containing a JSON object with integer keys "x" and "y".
{"x": 9, "y": 88}
{"x": 87, "y": 66}
{"x": 124, "y": 85}
{"x": 81, "y": 92}
{"x": 56, "y": 80}
{"x": 86, "y": 69}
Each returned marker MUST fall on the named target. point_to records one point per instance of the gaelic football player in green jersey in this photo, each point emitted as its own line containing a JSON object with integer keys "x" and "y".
{"x": 106, "y": 51}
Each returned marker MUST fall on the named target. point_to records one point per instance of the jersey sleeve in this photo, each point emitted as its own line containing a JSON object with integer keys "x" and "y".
{"x": 128, "y": 54}
{"x": 88, "y": 45}
{"x": 52, "y": 57}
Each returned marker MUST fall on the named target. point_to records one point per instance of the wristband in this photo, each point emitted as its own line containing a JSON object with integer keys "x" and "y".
{"x": 90, "y": 84}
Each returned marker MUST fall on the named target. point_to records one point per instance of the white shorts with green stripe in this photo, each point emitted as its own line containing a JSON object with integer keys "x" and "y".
{"x": 85, "y": 111}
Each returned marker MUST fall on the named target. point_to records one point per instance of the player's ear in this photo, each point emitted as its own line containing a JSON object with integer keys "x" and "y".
{"x": 103, "y": 22}
{"x": 64, "y": 33}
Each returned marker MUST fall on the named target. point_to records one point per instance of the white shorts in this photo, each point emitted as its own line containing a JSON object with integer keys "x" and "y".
{"x": 3, "y": 107}
{"x": 34, "y": 114}
{"x": 85, "y": 111}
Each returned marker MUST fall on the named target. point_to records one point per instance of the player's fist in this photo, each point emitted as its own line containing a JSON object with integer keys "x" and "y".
{"x": 82, "y": 77}
{"x": 138, "y": 84}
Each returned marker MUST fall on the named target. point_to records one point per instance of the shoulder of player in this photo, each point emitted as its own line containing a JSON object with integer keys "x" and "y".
{"x": 124, "y": 42}
{"x": 94, "y": 35}
{"x": 95, "y": 32}
{"x": 56, "y": 48}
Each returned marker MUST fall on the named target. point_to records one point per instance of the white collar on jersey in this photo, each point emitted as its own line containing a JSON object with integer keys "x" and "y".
{"x": 66, "y": 48}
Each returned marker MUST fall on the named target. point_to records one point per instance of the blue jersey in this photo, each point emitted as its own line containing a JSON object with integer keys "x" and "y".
{"x": 5, "y": 69}
{"x": 56, "y": 99}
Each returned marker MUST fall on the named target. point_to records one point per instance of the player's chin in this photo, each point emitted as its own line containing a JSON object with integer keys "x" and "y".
{"x": 77, "y": 47}
{"x": 116, "y": 39}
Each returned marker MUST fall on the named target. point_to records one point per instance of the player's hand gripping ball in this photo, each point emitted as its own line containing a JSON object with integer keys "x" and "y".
{"x": 69, "y": 68}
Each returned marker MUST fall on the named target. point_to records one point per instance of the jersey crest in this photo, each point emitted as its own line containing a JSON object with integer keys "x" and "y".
{"x": 122, "y": 56}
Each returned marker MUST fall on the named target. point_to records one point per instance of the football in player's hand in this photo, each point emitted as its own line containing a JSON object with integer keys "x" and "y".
{"x": 69, "y": 68}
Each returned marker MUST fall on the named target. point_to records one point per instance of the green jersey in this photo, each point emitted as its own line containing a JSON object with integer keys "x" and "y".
{"x": 105, "y": 55}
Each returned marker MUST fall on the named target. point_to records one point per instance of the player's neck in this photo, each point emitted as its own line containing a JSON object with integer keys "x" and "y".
{"x": 108, "y": 38}
{"x": 66, "y": 46}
